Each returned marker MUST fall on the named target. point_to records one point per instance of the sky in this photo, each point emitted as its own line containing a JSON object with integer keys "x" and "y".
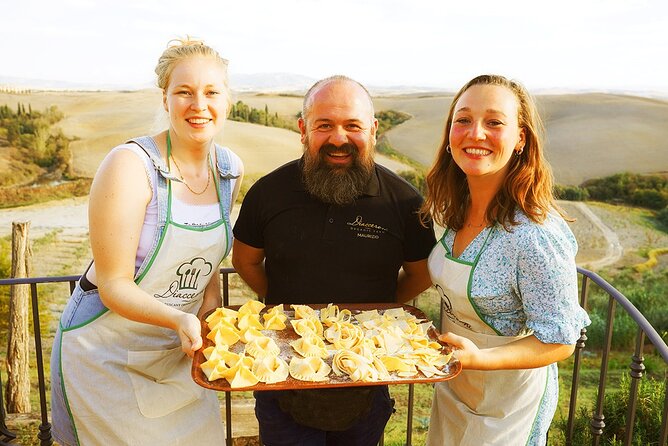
{"x": 602, "y": 45}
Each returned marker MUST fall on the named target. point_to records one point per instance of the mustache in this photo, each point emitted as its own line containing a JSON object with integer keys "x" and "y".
{"x": 347, "y": 148}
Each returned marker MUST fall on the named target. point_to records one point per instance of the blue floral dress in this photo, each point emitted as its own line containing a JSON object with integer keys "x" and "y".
{"x": 523, "y": 281}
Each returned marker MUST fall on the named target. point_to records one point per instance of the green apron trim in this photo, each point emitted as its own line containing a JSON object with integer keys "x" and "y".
{"x": 83, "y": 324}
{"x": 62, "y": 387}
{"x": 470, "y": 282}
{"x": 473, "y": 264}
{"x": 216, "y": 182}
{"x": 213, "y": 225}
{"x": 200, "y": 229}
{"x": 448, "y": 252}
{"x": 169, "y": 220}
{"x": 548, "y": 371}
{"x": 153, "y": 256}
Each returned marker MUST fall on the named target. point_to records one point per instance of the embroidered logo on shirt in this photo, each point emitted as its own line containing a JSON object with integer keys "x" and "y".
{"x": 185, "y": 287}
{"x": 366, "y": 230}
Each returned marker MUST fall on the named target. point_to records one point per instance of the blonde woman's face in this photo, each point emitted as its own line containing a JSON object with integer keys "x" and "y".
{"x": 485, "y": 132}
{"x": 196, "y": 99}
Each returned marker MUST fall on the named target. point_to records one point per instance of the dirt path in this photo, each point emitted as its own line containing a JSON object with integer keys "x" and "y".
{"x": 613, "y": 249}
{"x": 70, "y": 218}
{"x": 69, "y": 215}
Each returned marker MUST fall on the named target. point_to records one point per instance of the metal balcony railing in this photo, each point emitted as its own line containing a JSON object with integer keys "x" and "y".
{"x": 597, "y": 424}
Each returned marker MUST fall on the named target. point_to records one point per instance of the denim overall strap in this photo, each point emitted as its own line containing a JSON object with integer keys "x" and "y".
{"x": 149, "y": 146}
{"x": 225, "y": 173}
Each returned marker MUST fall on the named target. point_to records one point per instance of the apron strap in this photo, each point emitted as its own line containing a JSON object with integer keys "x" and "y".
{"x": 149, "y": 146}
{"x": 223, "y": 167}
{"x": 161, "y": 190}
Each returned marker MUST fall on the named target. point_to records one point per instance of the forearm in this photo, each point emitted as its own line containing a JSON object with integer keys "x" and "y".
{"x": 125, "y": 298}
{"x": 212, "y": 298}
{"x": 525, "y": 353}
{"x": 255, "y": 277}
{"x": 412, "y": 280}
{"x": 248, "y": 261}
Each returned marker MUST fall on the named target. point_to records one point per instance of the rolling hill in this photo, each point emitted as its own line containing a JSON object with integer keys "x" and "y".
{"x": 588, "y": 135}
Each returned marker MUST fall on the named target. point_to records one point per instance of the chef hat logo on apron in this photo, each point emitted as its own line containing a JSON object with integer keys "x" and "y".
{"x": 186, "y": 287}
{"x": 189, "y": 273}
{"x": 445, "y": 302}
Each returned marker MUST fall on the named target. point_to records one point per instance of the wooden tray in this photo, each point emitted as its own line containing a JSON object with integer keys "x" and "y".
{"x": 284, "y": 337}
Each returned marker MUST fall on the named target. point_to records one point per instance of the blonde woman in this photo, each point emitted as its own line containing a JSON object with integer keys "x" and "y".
{"x": 505, "y": 270}
{"x": 159, "y": 228}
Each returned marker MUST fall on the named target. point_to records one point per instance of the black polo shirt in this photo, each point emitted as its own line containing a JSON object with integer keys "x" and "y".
{"x": 320, "y": 253}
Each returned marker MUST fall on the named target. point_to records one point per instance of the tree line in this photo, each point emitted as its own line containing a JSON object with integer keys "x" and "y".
{"x": 646, "y": 191}
{"x": 40, "y": 148}
{"x": 243, "y": 112}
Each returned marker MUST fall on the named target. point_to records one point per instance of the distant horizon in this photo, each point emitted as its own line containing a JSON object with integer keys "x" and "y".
{"x": 297, "y": 85}
{"x": 597, "y": 45}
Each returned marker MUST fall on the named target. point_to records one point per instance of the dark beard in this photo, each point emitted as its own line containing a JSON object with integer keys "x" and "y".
{"x": 336, "y": 185}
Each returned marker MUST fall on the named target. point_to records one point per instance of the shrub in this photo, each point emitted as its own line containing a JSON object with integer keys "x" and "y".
{"x": 647, "y": 420}
{"x": 22, "y": 196}
{"x": 648, "y": 198}
{"x": 646, "y": 291}
{"x": 571, "y": 193}
{"x": 662, "y": 216}
{"x": 623, "y": 333}
{"x": 650, "y": 191}
{"x": 416, "y": 179}
{"x": 390, "y": 118}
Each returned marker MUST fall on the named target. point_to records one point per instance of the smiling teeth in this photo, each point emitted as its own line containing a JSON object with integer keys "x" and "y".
{"x": 198, "y": 121}
{"x": 480, "y": 152}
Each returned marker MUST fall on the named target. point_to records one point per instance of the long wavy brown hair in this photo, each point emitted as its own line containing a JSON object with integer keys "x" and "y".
{"x": 527, "y": 187}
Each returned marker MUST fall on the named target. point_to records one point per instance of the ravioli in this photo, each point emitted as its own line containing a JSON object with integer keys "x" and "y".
{"x": 251, "y": 307}
{"x": 240, "y": 374}
{"x": 371, "y": 346}
{"x": 270, "y": 369}
{"x": 275, "y": 322}
{"x": 262, "y": 346}
{"x": 310, "y": 346}
{"x": 309, "y": 369}
{"x": 250, "y": 334}
{"x": 303, "y": 311}
{"x": 221, "y": 313}
{"x": 249, "y": 320}
{"x": 223, "y": 334}
{"x": 275, "y": 318}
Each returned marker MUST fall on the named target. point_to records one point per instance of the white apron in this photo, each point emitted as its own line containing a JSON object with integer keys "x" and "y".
{"x": 478, "y": 407}
{"x": 144, "y": 392}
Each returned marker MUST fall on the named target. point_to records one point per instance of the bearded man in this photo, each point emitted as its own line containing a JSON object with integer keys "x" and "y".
{"x": 335, "y": 227}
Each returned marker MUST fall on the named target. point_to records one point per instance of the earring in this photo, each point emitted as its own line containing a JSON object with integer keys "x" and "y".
{"x": 519, "y": 152}
{"x": 448, "y": 149}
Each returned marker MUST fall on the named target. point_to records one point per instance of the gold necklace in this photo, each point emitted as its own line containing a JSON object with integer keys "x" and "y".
{"x": 208, "y": 176}
{"x": 469, "y": 225}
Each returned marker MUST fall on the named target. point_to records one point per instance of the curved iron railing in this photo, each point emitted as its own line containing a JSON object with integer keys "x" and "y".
{"x": 645, "y": 331}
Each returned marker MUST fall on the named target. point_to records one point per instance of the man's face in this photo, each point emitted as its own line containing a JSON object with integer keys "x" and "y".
{"x": 339, "y": 135}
